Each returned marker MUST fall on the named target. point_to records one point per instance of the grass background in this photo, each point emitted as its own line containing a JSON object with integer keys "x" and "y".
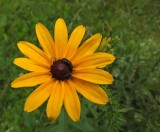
{"x": 135, "y": 95}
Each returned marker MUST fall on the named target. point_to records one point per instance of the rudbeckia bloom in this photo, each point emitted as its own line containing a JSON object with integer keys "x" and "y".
{"x": 63, "y": 69}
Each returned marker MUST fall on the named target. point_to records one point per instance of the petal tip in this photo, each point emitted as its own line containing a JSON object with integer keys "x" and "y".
{"x": 20, "y": 43}
{"x": 13, "y": 85}
{"x": 84, "y": 28}
{"x": 103, "y": 101}
{"x": 39, "y": 25}
{"x": 98, "y": 35}
{"x": 76, "y": 119}
{"x": 106, "y": 99}
{"x": 14, "y": 61}
{"x": 60, "y": 20}
{"x": 81, "y": 27}
{"x": 114, "y": 58}
{"x": 26, "y": 110}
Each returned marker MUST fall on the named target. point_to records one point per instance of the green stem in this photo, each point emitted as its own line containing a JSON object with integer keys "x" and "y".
{"x": 63, "y": 122}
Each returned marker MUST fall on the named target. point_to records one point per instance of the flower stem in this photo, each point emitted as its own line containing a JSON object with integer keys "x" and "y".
{"x": 63, "y": 121}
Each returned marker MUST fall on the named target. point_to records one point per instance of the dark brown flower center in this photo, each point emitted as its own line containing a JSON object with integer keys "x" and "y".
{"x": 61, "y": 69}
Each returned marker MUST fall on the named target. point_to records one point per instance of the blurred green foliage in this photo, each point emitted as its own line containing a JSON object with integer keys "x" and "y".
{"x": 134, "y": 27}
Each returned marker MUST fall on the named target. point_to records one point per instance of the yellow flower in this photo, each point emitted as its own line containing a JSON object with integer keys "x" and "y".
{"x": 63, "y": 68}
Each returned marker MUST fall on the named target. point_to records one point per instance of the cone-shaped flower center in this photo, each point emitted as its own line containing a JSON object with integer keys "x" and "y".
{"x": 61, "y": 69}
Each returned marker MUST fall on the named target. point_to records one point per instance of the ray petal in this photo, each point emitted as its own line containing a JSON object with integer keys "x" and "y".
{"x": 30, "y": 65}
{"x": 91, "y": 91}
{"x": 96, "y": 76}
{"x": 88, "y": 47}
{"x": 56, "y": 101}
{"x": 96, "y": 60}
{"x": 74, "y": 41}
{"x": 34, "y": 53}
{"x": 45, "y": 39}
{"x": 60, "y": 37}
{"x": 31, "y": 79}
{"x": 39, "y": 96}
{"x": 71, "y": 102}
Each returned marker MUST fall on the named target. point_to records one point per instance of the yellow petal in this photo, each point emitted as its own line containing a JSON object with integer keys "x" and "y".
{"x": 91, "y": 91}
{"x": 45, "y": 39}
{"x": 96, "y": 60}
{"x": 74, "y": 41}
{"x": 39, "y": 96}
{"x": 72, "y": 103}
{"x": 97, "y": 76}
{"x": 60, "y": 37}
{"x": 30, "y": 65}
{"x": 31, "y": 79}
{"x": 34, "y": 53}
{"x": 87, "y": 48}
{"x": 56, "y": 101}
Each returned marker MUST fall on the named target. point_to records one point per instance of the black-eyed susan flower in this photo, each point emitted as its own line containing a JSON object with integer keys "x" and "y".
{"x": 62, "y": 69}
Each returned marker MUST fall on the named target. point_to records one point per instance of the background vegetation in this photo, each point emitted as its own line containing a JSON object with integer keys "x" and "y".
{"x": 134, "y": 26}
